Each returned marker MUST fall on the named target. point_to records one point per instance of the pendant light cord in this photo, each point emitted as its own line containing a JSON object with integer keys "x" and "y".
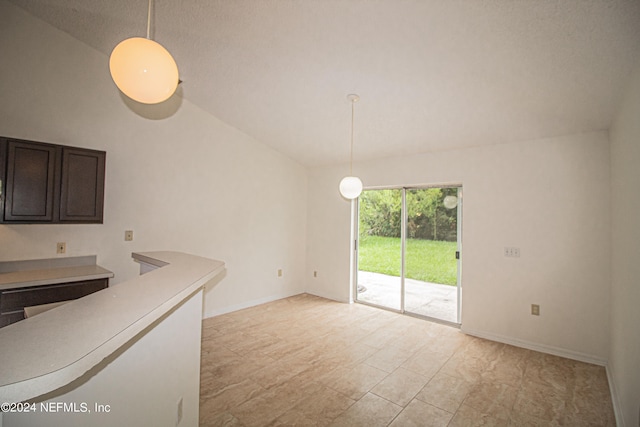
{"x": 351, "y": 154}
{"x": 149, "y": 21}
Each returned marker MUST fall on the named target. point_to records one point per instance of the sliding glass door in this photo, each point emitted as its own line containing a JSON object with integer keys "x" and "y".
{"x": 408, "y": 250}
{"x": 379, "y": 248}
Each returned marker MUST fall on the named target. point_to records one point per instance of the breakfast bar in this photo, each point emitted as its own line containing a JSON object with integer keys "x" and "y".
{"x": 130, "y": 346}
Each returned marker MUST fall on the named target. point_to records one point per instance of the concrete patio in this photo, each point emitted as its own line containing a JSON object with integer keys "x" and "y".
{"x": 423, "y": 298}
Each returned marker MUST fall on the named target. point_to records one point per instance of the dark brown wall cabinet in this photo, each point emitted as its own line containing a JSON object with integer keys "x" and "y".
{"x": 47, "y": 183}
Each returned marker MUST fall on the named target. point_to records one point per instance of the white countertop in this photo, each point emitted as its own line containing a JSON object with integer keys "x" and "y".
{"x": 45, "y": 352}
{"x": 22, "y": 274}
{"x": 52, "y": 276}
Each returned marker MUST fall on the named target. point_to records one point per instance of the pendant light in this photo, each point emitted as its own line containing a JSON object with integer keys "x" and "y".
{"x": 351, "y": 186}
{"x": 143, "y": 69}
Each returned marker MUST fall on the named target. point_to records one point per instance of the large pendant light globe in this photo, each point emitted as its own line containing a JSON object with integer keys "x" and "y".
{"x": 144, "y": 70}
{"x": 350, "y": 187}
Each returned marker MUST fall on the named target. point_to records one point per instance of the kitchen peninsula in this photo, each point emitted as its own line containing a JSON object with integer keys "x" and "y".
{"x": 133, "y": 348}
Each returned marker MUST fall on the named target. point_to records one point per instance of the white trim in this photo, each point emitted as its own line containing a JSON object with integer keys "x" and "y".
{"x": 617, "y": 409}
{"x": 354, "y": 235}
{"x": 403, "y": 247}
{"x": 556, "y": 351}
{"x": 327, "y": 296}
{"x": 459, "y": 260}
{"x": 247, "y": 304}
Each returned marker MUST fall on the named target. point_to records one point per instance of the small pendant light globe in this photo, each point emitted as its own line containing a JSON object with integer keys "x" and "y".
{"x": 450, "y": 202}
{"x": 350, "y": 187}
{"x": 144, "y": 70}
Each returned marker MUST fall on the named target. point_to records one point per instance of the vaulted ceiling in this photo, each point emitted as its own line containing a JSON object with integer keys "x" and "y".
{"x": 431, "y": 74}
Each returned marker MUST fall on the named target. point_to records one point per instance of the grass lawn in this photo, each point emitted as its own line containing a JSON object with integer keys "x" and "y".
{"x": 427, "y": 260}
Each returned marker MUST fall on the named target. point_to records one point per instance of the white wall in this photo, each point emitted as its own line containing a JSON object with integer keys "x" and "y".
{"x": 181, "y": 179}
{"x": 624, "y": 356}
{"x": 142, "y": 382}
{"x": 549, "y": 197}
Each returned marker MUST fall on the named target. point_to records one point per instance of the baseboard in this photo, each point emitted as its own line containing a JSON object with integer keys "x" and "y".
{"x": 327, "y": 296}
{"x": 247, "y": 304}
{"x": 556, "y": 351}
{"x": 613, "y": 388}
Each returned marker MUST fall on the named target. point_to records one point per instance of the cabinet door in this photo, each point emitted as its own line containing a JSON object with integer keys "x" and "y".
{"x": 82, "y": 193}
{"x": 30, "y": 182}
{"x": 9, "y": 318}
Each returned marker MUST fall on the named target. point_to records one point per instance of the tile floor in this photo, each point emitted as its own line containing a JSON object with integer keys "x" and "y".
{"x": 305, "y": 361}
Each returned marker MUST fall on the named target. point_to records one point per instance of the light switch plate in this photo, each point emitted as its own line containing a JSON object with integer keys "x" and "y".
{"x": 535, "y": 309}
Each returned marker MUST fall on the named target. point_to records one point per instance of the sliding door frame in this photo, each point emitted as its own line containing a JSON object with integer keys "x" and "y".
{"x": 403, "y": 235}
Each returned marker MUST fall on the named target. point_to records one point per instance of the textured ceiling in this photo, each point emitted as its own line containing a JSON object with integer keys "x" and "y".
{"x": 432, "y": 75}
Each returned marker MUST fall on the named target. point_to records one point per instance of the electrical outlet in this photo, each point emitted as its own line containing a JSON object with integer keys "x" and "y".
{"x": 179, "y": 411}
{"x": 61, "y": 247}
{"x": 279, "y": 272}
{"x": 128, "y": 235}
{"x": 535, "y": 309}
{"x": 511, "y": 252}
{"x": 315, "y": 274}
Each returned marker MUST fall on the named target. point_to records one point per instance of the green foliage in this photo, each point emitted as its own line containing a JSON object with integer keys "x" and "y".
{"x": 381, "y": 214}
{"x": 426, "y": 260}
